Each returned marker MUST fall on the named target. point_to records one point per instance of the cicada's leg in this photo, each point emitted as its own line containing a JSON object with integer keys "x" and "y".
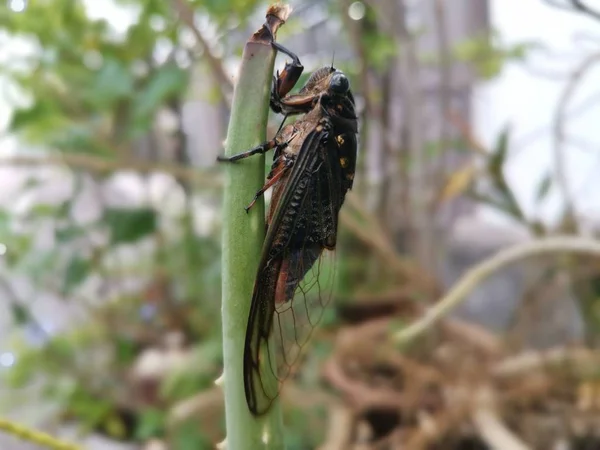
{"x": 285, "y": 80}
{"x": 274, "y": 176}
{"x": 259, "y": 149}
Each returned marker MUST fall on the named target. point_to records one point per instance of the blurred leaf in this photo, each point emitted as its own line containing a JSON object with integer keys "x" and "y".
{"x": 488, "y": 55}
{"x": 126, "y": 350}
{"x": 165, "y": 83}
{"x": 223, "y": 12}
{"x": 498, "y": 156}
{"x": 130, "y": 225}
{"x": 382, "y": 48}
{"x": 40, "y": 118}
{"x": 115, "y": 426}
{"x": 80, "y": 138}
{"x": 77, "y": 271}
{"x": 37, "y": 264}
{"x": 68, "y": 233}
{"x": 113, "y": 82}
{"x": 151, "y": 423}
{"x": 18, "y": 246}
{"x": 20, "y": 314}
{"x": 544, "y": 187}
{"x": 43, "y": 210}
{"x": 32, "y": 183}
{"x": 89, "y": 409}
{"x": 520, "y": 50}
{"x": 189, "y": 437}
{"x": 5, "y": 220}
{"x": 489, "y": 67}
{"x": 458, "y": 183}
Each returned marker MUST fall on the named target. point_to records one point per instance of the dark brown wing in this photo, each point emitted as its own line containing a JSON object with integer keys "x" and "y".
{"x": 303, "y": 223}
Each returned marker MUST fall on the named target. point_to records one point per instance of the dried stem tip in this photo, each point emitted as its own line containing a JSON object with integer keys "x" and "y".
{"x": 276, "y": 16}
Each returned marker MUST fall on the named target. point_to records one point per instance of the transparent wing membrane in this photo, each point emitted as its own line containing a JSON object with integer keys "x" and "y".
{"x": 295, "y": 320}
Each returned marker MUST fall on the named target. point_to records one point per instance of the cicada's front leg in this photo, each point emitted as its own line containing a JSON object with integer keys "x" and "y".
{"x": 285, "y": 80}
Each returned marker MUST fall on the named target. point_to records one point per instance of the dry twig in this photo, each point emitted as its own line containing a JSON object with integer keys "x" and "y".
{"x": 469, "y": 281}
{"x": 103, "y": 165}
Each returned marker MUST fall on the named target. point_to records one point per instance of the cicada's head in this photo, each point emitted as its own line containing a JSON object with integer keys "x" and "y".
{"x": 327, "y": 80}
{"x": 338, "y": 83}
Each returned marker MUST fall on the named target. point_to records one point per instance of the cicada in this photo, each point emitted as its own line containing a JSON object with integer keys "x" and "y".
{"x": 313, "y": 168}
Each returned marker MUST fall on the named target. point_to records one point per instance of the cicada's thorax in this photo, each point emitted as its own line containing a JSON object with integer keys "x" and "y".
{"x": 294, "y": 134}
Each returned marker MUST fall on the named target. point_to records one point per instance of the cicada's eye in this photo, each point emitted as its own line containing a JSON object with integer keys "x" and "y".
{"x": 339, "y": 83}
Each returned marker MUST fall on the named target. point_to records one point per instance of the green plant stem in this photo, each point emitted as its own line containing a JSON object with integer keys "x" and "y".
{"x": 243, "y": 235}
{"x": 38, "y": 437}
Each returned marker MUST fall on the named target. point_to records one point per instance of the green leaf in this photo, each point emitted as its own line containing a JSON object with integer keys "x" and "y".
{"x": 113, "y": 82}
{"x": 5, "y": 219}
{"x": 544, "y": 187}
{"x": 77, "y": 271}
{"x": 43, "y": 210}
{"x": 20, "y": 314}
{"x": 163, "y": 84}
{"x": 497, "y": 158}
{"x": 130, "y": 225}
{"x": 151, "y": 423}
{"x": 381, "y": 49}
{"x": 68, "y": 233}
{"x": 18, "y": 247}
{"x": 125, "y": 350}
{"x": 189, "y": 437}
{"x": 40, "y": 117}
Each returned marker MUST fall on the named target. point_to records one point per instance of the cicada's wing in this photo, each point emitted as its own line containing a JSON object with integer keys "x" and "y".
{"x": 292, "y": 287}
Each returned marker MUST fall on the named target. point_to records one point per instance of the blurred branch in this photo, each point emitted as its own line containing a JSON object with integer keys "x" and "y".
{"x": 542, "y": 132}
{"x": 575, "y": 6}
{"x": 342, "y": 424}
{"x": 489, "y": 426}
{"x": 559, "y": 133}
{"x": 204, "y": 404}
{"x": 445, "y": 93}
{"x": 393, "y": 16}
{"x": 186, "y": 15}
{"x": 35, "y": 436}
{"x": 578, "y": 360}
{"x": 476, "y": 275}
{"x": 361, "y": 396}
{"x": 103, "y": 165}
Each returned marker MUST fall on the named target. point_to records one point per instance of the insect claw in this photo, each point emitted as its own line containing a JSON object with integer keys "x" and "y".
{"x": 247, "y": 208}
